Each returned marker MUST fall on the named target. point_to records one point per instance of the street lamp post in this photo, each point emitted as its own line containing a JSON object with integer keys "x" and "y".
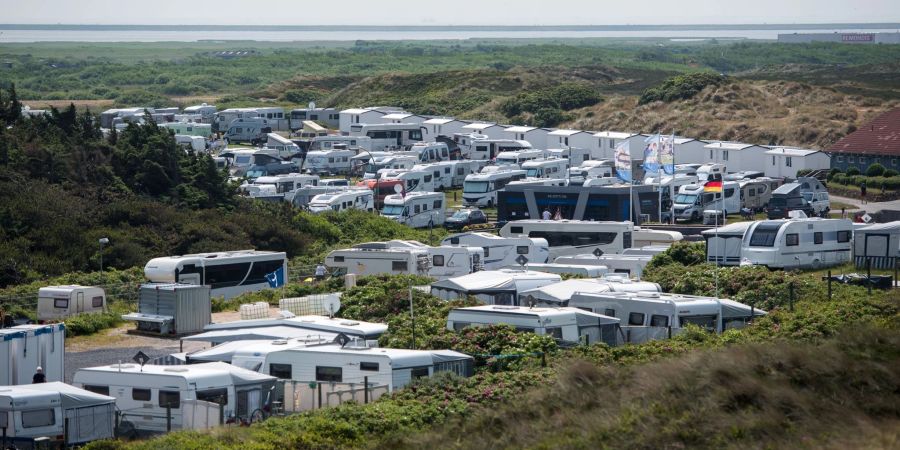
{"x": 102, "y": 241}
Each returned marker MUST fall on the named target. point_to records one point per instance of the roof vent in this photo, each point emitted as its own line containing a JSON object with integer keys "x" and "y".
{"x": 506, "y": 307}
{"x": 279, "y": 342}
{"x": 349, "y": 323}
{"x": 175, "y": 369}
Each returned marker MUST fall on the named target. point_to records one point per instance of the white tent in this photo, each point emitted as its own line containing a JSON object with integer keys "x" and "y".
{"x": 559, "y": 294}
{"x": 89, "y": 416}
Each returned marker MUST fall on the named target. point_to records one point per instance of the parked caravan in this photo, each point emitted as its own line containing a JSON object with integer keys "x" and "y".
{"x": 628, "y": 265}
{"x": 572, "y": 237}
{"x": 24, "y": 348}
{"x": 566, "y": 269}
{"x": 493, "y": 287}
{"x": 546, "y": 168}
{"x": 279, "y": 187}
{"x": 416, "y": 209}
{"x": 427, "y": 152}
{"x": 356, "y": 198}
{"x": 451, "y": 174}
{"x": 406, "y": 257}
{"x": 877, "y": 245}
{"x": 65, "y": 414}
{"x": 391, "y": 136}
{"x": 328, "y": 116}
{"x": 288, "y": 328}
{"x": 654, "y": 315}
{"x": 412, "y": 180}
{"x": 238, "y": 160}
{"x": 723, "y": 245}
{"x": 756, "y": 193}
{"x": 228, "y": 274}
{"x": 202, "y": 130}
{"x": 196, "y": 144}
{"x": 519, "y": 157}
{"x": 273, "y": 115}
{"x": 206, "y": 112}
{"x": 379, "y": 165}
{"x": 330, "y": 162}
{"x": 271, "y": 168}
{"x": 302, "y": 196}
{"x": 250, "y": 354}
{"x": 559, "y": 294}
{"x": 589, "y": 170}
{"x": 575, "y": 156}
{"x": 282, "y": 145}
{"x": 252, "y": 130}
{"x": 479, "y": 146}
{"x": 480, "y": 189}
{"x": 570, "y": 325}
{"x": 500, "y": 252}
{"x": 798, "y": 243}
{"x": 645, "y": 237}
{"x": 60, "y": 302}
{"x": 330, "y": 142}
{"x": 691, "y": 201}
{"x": 145, "y": 393}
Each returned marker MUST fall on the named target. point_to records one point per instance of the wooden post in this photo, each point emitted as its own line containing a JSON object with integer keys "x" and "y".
{"x": 168, "y": 417}
{"x": 319, "y": 387}
{"x": 869, "y": 274}
{"x": 791, "y": 295}
{"x": 366, "y": 390}
{"x": 829, "y": 285}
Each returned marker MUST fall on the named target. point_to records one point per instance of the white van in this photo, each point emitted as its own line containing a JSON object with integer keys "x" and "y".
{"x": 480, "y": 189}
{"x": 362, "y": 199}
{"x": 546, "y": 168}
{"x": 59, "y": 302}
{"x": 691, "y": 201}
{"x": 416, "y": 209}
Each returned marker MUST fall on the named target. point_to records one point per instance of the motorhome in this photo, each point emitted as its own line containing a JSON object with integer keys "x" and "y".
{"x": 355, "y": 143}
{"x": 416, "y": 209}
{"x": 798, "y": 243}
{"x": 60, "y": 302}
{"x": 519, "y": 157}
{"x": 67, "y": 415}
{"x": 203, "y": 130}
{"x": 413, "y": 180}
{"x": 356, "y": 198}
{"x": 253, "y": 130}
{"x": 441, "y": 172}
{"x": 572, "y": 237}
{"x": 559, "y": 294}
{"x": 392, "y": 161}
{"x": 479, "y": 146}
{"x": 480, "y": 189}
{"x": 270, "y": 168}
{"x": 24, "y": 348}
{"x": 711, "y": 172}
{"x": 328, "y": 116}
{"x": 591, "y": 169}
{"x": 692, "y": 201}
{"x": 493, "y": 287}
{"x": 301, "y": 197}
{"x": 284, "y": 328}
{"x": 756, "y": 193}
{"x": 335, "y": 161}
{"x": 273, "y": 115}
{"x": 279, "y": 187}
{"x": 723, "y": 244}
{"x": 144, "y": 393}
{"x": 427, "y": 152}
{"x": 571, "y": 325}
{"x": 284, "y": 146}
{"x": 206, "y": 112}
{"x": 575, "y": 156}
{"x": 229, "y": 274}
{"x": 655, "y": 315}
{"x": 195, "y": 144}
{"x": 500, "y": 252}
{"x": 391, "y": 136}
{"x": 406, "y": 257}
{"x": 553, "y": 168}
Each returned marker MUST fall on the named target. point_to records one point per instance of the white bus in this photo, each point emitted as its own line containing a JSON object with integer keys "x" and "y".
{"x": 356, "y": 198}
{"x": 416, "y": 209}
{"x": 500, "y": 252}
{"x": 390, "y": 136}
{"x": 228, "y": 274}
{"x": 798, "y": 243}
{"x": 480, "y": 189}
{"x": 573, "y": 237}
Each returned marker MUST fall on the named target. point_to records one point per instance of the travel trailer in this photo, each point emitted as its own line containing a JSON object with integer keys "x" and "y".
{"x": 580, "y": 270}
{"x": 519, "y": 157}
{"x": 427, "y": 152}
{"x": 655, "y": 315}
{"x": 391, "y": 136}
{"x": 723, "y": 245}
{"x": 480, "y": 189}
{"x": 493, "y": 287}
{"x": 279, "y": 187}
{"x": 288, "y": 328}
{"x": 479, "y": 146}
{"x": 572, "y": 237}
{"x": 144, "y": 393}
{"x": 252, "y": 130}
{"x": 330, "y": 162}
{"x": 798, "y": 243}
{"x": 301, "y": 197}
{"x": 546, "y": 168}
{"x": 24, "y": 348}
{"x": 416, "y": 209}
{"x": 229, "y": 274}
{"x": 406, "y": 257}
{"x": 67, "y": 415}
{"x": 644, "y": 237}
{"x": 629, "y": 265}
{"x": 877, "y": 245}
{"x": 60, "y": 302}
{"x": 356, "y": 198}
{"x": 559, "y": 294}
{"x": 691, "y": 201}
{"x": 251, "y": 354}
{"x": 571, "y": 325}
{"x": 378, "y": 165}
{"x": 500, "y": 252}
{"x": 756, "y": 193}
{"x": 354, "y": 143}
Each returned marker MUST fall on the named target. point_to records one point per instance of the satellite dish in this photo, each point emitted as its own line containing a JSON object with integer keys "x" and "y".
{"x": 398, "y": 188}
{"x": 331, "y": 304}
{"x": 312, "y": 105}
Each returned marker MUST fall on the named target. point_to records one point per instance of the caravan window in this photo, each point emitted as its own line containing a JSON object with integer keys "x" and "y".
{"x": 282, "y": 371}
{"x": 658, "y": 320}
{"x": 400, "y": 266}
{"x": 636, "y": 319}
{"x": 415, "y": 135}
{"x": 102, "y": 390}
{"x": 460, "y": 325}
{"x": 708, "y": 322}
{"x": 522, "y": 249}
{"x": 419, "y": 372}
{"x": 368, "y": 366}
{"x": 843, "y": 236}
{"x": 437, "y": 204}
{"x": 764, "y": 235}
{"x": 609, "y": 312}
{"x": 219, "y": 396}
{"x": 338, "y": 259}
{"x": 792, "y": 239}
{"x": 438, "y": 261}
{"x": 171, "y": 399}
{"x": 38, "y": 418}
{"x": 556, "y": 332}
{"x": 325, "y": 373}
{"x": 141, "y": 395}
{"x": 817, "y": 237}
{"x": 61, "y": 303}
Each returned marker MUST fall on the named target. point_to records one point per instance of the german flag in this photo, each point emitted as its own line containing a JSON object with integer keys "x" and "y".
{"x": 712, "y": 186}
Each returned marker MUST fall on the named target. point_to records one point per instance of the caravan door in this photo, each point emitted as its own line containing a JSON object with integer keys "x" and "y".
{"x": 79, "y": 302}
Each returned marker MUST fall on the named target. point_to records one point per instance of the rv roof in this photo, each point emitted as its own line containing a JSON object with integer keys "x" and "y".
{"x": 397, "y": 116}
{"x": 307, "y": 322}
{"x": 479, "y": 126}
{"x": 565, "y": 132}
{"x": 736, "y": 228}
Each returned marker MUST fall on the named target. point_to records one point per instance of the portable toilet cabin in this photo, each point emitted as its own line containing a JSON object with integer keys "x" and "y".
{"x": 878, "y": 243}
{"x": 59, "y": 302}
{"x": 24, "y": 348}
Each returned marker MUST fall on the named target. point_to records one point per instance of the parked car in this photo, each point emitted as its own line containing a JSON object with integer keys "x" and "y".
{"x": 465, "y": 217}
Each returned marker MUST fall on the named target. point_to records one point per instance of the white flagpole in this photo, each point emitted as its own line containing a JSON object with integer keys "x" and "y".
{"x": 672, "y": 185}
{"x": 718, "y": 243}
{"x": 659, "y": 172}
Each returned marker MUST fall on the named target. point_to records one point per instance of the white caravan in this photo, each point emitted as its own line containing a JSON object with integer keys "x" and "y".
{"x": 645, "y": 237}
{"x": 500, "y": 252}
{"x": 691, "y": 201}
{"x": 798, "y": 243}
{"x": 480, "y": 189}
{"x": 250, "y": 354}
{"x": 755, "y": 193}
{"x": 628, "y": 265}
{"x": 575, "y": 156}
{"x": 206, "y": 112}
{"x": 406, "y": 257}
{"x": 143, "y": 393}
{"x": 413, "y": 180}
{"x": 335, "y": 161}
{"x": 590, "y": 170}
{"x": 493, "y": 287}
{"x": 877, "y": 244}
{"x": 279, "y": 186}
{"x": 378, "y": 165}
{"x": 723, "y": 245}
{"x": 572, "y": 237}
{"x": 24, "y": 348}
{"x": 239, "y": 159}
{"x": 330, "y": 142}
{"x": 281, "y": 144}
{"x": 196, "y": 144}
{"x": 559, "y": 294}
{"x": 416, "y": 209}
{"x": 67, "y": 415}
{"x": 356, "y": 198}
{"x": 650, "y": 315}
{"x": 427, "y": 152}
{"x": 300, "y": 198}
{"x": 553, "y": 168}
{"x": 517, "y": 158}
{"x": 451, "y": 174}
{"x": 391, "y": 136}
{"x": 203, "y": 130}
{"x": 284, "y": 328}
{"x": 274, "y": 115}
{"x": 565, "y": 324}
{"x": 580, "y": 270}
{"x": 252, "y": 130}
{"x": 479, "y": 146}
{"x": 228, "y": 274}
{"x": 60, "y": 302}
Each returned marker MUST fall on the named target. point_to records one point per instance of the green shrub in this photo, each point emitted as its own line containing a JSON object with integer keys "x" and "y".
{"x": 681, "y": 87}
{"x": 875, "y": 170}
{"x": 888, "y": 173}
{"x": 852, "y": 170}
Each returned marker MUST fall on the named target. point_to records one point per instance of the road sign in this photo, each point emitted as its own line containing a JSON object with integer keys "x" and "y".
{"x": 141, "y": 358}
{"x": 522, "y": 260}
{"x": 597, "y": 252}
{"x": 866, "y": 218}
{"x": 341, "y": 339}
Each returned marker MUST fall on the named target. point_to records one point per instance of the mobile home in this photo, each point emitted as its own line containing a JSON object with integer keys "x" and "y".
{"x": 878, "y": 245}
{"x": 500, "y": 252}
{"x": 571, "y": 139}
{"x": 416, "y": 209}
{"x": 565, "y": 324}
{"x": 572, "y": 237}
{"x": 480, "y": 189}
{"x": 206, "y": 112}
{"x": 24, "y": 348}
{"x": 491, "y": 130}
{"x": 538, "y": 137}
{"x": 444, "y": 126}
{"x": 798, "y": 243}
{"x": 576, "y": 156}
{"x": 229, "y": 274}
{"x": 477, "y": 146}
{"x": 406, "y": 257}
{"x": 59, "y": 302}
{"x": 493, "y": 287}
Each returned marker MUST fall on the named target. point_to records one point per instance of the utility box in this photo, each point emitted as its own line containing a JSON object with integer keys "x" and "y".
{"x": 172, "y": 308}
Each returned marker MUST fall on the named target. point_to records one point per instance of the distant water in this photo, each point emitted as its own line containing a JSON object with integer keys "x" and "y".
{"x": 50, "y": 33}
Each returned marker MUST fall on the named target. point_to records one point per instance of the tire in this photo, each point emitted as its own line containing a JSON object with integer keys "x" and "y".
{"x": 258, "y": 416}
{"x": 490, "y": 204}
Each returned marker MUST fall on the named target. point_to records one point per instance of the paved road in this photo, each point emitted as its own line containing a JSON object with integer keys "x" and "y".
{"x": 871, "y": 207}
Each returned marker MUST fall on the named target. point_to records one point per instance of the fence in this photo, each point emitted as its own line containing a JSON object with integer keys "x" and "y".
{"x": 116, "y": 293}
{"x": 299, "y": 396}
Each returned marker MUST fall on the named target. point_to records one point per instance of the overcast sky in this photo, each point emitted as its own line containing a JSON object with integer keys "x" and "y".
{"x": 447, "y": 12}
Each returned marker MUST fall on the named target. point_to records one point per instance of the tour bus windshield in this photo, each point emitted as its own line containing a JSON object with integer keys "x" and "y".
{"x": 685, "y": 199}
{"x": 392, "y": 210}
{"x": 476, "y": 187}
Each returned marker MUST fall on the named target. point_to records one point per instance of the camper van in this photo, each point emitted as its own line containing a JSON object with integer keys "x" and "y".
{"x": 144, "y": 393}
{"x": 252, "y": 130}
{"x": 331, "y": 162}
{"x": 378, "y": 166}
{"x": 406, "y": 257}
{"x": 229, "y": 274}
{"x": 280, "y": 187}
{"x": 412, "y": 180}
{"x": 67, "y": 415}
{"x": 416, "y": 209}
{"x": 500, "y": 252}
{"x": 391, "y": 136}
{"x": 24, "y": 348}
{"x": 572, "y": 237}
{"x": 798, "y": 243}
{"x": 723, "y": 245}
{"x": 60, "y": 302}
{"x": 691, "y": 201}
{"x": 480, "y": 189}
{"x": 553, "y": 168}
{"x": 356, "y": 198}
{"x": 654, "y": 315}
{"x": 571, "y": 325}
{"x": 301, "y": 197}
{"x": 519, "y": 157}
